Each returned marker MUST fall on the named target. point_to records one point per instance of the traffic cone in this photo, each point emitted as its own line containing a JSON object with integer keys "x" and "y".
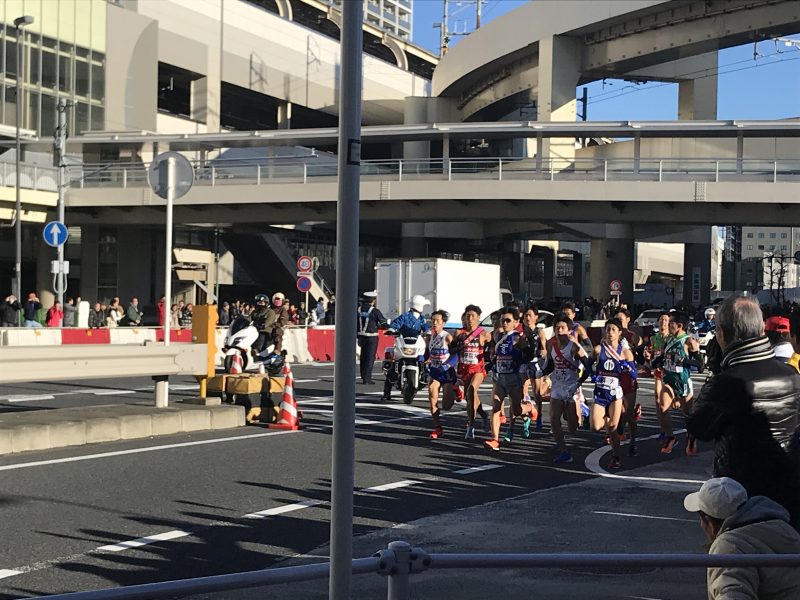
{"x": 236, "y": 364}
{"x": 288, "y": 418}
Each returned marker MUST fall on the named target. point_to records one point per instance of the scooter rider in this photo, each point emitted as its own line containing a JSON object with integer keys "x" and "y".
{"x": 709, "y": 323}
{"x": 370, "y": 320}
{"x": 264, "y": 320}
{"x": 281, "y": 310}
{"x": 411, "y": 323}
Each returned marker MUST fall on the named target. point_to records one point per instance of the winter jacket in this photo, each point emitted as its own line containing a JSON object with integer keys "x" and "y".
{"x": 31, "y": 308}
{"x": 133, "y": 315}
{"x": 9, "y": 313}
{"x": 773, "y": 385}
{"x": 55, "y": 318}
{"x": 97, "y": 319}
{"x": 70, "y": 315}
{"x": 760, "y": 526}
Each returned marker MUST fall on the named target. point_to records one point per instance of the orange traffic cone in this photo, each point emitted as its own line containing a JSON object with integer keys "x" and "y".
{"x": 236, "y": 364}
{"x": 288, "y": 418}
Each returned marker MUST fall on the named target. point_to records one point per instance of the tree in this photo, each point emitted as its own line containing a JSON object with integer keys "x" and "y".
{"x": 777, "y": 276}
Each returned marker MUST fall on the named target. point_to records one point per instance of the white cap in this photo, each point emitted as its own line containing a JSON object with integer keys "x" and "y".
{"x": 419, "y": 302}
{"x": 371, "y": 294}
{"x": 718, "y": 498}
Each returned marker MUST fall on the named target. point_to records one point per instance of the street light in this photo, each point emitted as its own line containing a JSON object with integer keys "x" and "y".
{"x": 19, "y": 23}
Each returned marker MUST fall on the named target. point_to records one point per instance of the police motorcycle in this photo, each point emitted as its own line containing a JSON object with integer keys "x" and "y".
{"x": 403, "y": 365}
{"x": 704, "y": 333}
{"x": 238, "y": 349}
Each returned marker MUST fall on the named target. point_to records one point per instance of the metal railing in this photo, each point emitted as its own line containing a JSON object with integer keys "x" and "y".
{"x": 400, "y": 560}
{"x": 246, "y": 171}
{"x": 31, "y": 177}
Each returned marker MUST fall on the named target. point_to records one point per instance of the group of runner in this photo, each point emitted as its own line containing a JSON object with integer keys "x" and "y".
{"x": 526, "y": 368}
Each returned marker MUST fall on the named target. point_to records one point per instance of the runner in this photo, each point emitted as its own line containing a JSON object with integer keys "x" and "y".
{"x": 614, "y": 359}
{"x": 680, "y": 352}
{"x": 469, "y": 345}
{"x": 656, "y": 348}
{"x": 631, "y": 411}
{"x": 535, "y": 385}
{"x": 564, "y": 358}
{"x": 509, "y": 354}
{"x": 569, "y": 309}
{"x": 440, "y": 369}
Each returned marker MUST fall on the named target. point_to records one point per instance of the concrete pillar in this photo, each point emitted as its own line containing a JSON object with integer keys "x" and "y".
{"x": 89, "y": 259}
{"x": 550, "y": 258}
{"x": 559, "y": 71}
{"x": 612, "y": 259}
{"x": 205, "y": 101}
{"x": 697, "y": 98}
{"x": 577, "y": 276}
{"x": 696, "y": 274}
{"x": 284, "y": 118}
{"x": 416, "y": 112}
{"x": 413, "y": 243}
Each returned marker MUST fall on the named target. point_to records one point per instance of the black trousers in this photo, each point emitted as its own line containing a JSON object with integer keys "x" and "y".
{"x": 368, "y": 345}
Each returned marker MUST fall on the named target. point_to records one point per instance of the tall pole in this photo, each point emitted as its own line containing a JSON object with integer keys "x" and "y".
{"x": 60, "y": 148}
{"x": 478, "y": 6}
{"x": 445, "y": 37}
{"x": 344, "y": 370}
{"x": 162, "y": 383}
{"x": 19, "y": 23}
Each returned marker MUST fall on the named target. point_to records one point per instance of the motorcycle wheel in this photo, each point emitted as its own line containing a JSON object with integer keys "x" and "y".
{"x": 409, "y": 391}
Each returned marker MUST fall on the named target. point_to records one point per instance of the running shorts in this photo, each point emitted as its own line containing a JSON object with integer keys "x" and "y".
{"x": 443, "y": 375}
{"x": 505, "y": 383}
{"x": 682, "y": 388}
{"x": 467, "y": 372}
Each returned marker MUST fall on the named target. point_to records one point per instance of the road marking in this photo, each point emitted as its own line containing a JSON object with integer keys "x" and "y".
{"x": 391, "y": 486}
{"x": 8, "y": 573}
{"x": 306, "y": 380}
{"x": 58, "y": 461}
{"x": 279, "y": 510}
{"x": 618, "y": 514}
{"x": 113, "y": 392}
{"x": 31, "y": 398}
{"x": 477, "y": 469}
{"x": 151, "y": 539}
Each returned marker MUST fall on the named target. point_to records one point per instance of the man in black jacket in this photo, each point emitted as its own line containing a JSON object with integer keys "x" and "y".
{"x": 9, "y": 312}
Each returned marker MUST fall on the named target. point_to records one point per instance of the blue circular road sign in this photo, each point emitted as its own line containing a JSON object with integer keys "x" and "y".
{"x": 55, "y": 234}
{"x": 303, "y": 284}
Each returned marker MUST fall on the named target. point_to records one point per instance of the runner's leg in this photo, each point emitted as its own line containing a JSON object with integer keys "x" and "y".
{"x": 557, "y": 408}
{"x": 433, "y": 396}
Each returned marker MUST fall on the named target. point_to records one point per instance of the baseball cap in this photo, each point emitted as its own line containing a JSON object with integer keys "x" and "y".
{"x": 370, "y": 294}
{"x": 719, "y": 498}
{"x": 779, "y": 324}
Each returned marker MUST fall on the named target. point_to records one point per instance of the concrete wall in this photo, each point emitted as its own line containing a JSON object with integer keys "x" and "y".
{"x": 666, "y": 148}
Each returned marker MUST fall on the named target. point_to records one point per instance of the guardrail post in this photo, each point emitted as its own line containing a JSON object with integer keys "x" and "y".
{"x": 258, "y": 174}
{"x": 213, "y": 176}
{"x": 125, "y": 178}
{"x": 400, "y": 170}
{"x": 305, "y": 172}
{"x": 605, "y": 169}
{"x": 716, "y": 171}
{"x": 500, "y": 169}
{"x": 660, "y": 170}
{"x": 162, "y": 391}
{"x": 774, "y": 171}
{"x": 400, "y": 572}
{"x": 449, "y": 170}
{"x": 552, "y": 169}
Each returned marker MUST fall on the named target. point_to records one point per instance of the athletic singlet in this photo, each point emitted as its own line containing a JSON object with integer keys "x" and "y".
{"x": 609, "y": 368}
{"x": 507, "y": 356}
{"x": 565, "y": 375}
{"x": 674, "y": 355}
{"x": 438, "y": 349}
{"x": 472, "y": 352}
{"x": 657, "y": 343}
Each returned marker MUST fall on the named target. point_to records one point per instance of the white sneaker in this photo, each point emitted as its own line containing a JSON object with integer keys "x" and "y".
{"x": 470, "y": 435}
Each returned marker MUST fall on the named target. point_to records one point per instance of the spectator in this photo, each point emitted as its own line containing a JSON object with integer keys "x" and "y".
{"x": 114, "y": 313}
{"x": 133, "y": 316}
{"x": 778, "y": 333}
{"x": 236, "y": 309}
{"x": 330, "y": 314}
{"x": 174, "y": 316}
{"x": 97, "y": 316}
{"x": 70, "y": 313}
{"x": 747, "y": 355}
{"x": 281, "y": 320}
{"x": 161, "y": 309}
{"x": 225, "y": 315}
{"x": 302, "y": 314}
{"x": 320, "y": 310}
{"x": 186, "y": 316}
{"x": 735, "y": 524}
{"x": 30, "y": 308}
{"x": 55, "y": 316}
{"x": 293, "y": 315}
{"x": 9, "y": 312}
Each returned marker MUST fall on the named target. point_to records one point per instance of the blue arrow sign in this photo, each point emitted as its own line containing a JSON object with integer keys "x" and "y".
{"x": 55, "y": 233}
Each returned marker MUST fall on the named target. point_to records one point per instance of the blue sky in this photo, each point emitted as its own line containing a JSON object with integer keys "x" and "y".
{"x": 764, "y": 88}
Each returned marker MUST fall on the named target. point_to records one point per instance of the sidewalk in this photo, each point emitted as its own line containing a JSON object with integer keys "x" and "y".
{"x": 599, "y": 515}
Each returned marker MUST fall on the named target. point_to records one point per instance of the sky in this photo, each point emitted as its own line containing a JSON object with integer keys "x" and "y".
{"x": 763, "y": 87}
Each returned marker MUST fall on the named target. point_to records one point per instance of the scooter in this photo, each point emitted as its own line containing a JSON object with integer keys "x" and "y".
{"x": 238, "y": 346}
{"x": 703, "y": 338}
{"x": 402, "y": 367}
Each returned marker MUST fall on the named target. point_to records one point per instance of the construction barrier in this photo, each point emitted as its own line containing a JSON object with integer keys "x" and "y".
{"x": 85, "y": 336}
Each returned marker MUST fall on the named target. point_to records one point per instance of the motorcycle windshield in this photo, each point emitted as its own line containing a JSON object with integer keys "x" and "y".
{"x": 238, "y": 324}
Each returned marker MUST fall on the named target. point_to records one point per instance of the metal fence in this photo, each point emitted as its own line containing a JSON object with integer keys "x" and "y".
{"x": 400, "y": 561}
{"x": 248, "y": 171}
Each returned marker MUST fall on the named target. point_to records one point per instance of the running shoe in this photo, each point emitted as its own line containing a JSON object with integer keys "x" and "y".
{"x": 563, "y": 457}
{"x": 607, "y": 439}
{"x": 470, "y": 435}
{"x": 539, "y": 422}
{"x": 437, "y": 433}
{"x": 615, "y": 463}
{"x": 526, "y": 426}
{"x": 509, "y": 437}
{"x": 669, "y": 444}
{"x": 493, "y": 445}
{"x": 459, "y": 393}
{"x": 633, "y": 449}
{"x": 487, "y": 424}
{"x": 637, "y": 412}
{"x": 503, "y": 419}
{"x": 691, "y": 446}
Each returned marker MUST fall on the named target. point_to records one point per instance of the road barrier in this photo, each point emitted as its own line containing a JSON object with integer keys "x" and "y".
{"x": 400, "y": 560}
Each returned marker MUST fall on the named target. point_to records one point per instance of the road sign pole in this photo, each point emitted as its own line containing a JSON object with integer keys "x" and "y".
{"x": 344, "y": 370}
{"x": 162, "y": 395}
{"x": 60, "y": 279}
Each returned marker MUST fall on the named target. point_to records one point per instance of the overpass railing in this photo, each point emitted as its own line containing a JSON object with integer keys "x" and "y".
{"x": 400, "y": 560}
{"x": 247, "y": 171}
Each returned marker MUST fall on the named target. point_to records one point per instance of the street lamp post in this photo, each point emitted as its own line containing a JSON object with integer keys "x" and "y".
{"x": 19, "y": 23}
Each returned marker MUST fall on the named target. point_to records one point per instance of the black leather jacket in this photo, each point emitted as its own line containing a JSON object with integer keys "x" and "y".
{"x": 773, "y": 385}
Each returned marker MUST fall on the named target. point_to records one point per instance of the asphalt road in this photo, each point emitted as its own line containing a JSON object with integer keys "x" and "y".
{"x": 217, "y": 502}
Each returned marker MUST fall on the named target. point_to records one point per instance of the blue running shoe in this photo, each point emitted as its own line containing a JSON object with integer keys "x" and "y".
{"x": 539, "y": 421}
{"x": 563, "y": 457}
{"x": 509, "y": 437}
{"x": 526, "y": 426}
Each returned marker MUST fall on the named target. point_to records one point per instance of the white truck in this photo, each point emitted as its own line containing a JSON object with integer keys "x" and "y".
{"x": 449, "y": 284}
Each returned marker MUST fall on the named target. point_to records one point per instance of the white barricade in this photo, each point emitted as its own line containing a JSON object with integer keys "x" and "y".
{"x": 29, "y": 336}
{"x": 295, "y": 342}
{"x": 132, "y": 335}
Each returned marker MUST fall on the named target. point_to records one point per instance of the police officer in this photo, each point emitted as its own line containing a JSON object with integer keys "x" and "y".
{"x": 370, "y": 319}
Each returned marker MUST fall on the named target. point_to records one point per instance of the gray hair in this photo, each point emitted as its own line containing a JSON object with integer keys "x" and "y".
{"x": 740, "y": 318}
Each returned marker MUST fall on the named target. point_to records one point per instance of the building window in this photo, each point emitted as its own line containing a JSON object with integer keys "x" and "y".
{"x": 761, "y": 246}
{"x": 784, "y": 236}
{"x": 750, "y": 246}
{"x": 783, "y": 247}
{"x": 773, "y": 235}
{"x": 749, "y": 235}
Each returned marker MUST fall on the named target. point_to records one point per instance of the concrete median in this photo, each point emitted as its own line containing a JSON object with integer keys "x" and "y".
{"x": 59, "y": 428}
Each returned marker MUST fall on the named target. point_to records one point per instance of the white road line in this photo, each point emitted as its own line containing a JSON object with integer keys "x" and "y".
{"x": 58, "y": 461}
{"x": 31, "y": 398}
{"x": 8, "y": 573}
{"x": 477, "y": 469}
{"x": 618, "y": 514}
{"x": 391, "y": 486}
{"x": 151, "y": 539}
{"x": 113, "y": 392}
{"x": 279, "y": 510}
{"x": 306, "y": 380}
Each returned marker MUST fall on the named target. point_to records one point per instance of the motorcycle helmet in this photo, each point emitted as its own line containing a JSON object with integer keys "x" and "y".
{"x": 273, "y": 364}
{"x": 419, "y": 302}
{"x": 261, "y": 299}
{"x": 710, "y": 312}
{"x": 278, "y": 299}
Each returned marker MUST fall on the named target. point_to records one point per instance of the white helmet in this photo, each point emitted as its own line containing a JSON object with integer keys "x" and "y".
{"x": 278, "y": 298}
{"x": 710, "y": 312}
{"x": 419, "y": 302}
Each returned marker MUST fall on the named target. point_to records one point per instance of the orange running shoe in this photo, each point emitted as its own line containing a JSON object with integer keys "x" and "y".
{"x": 493, "y": 445}
{"x": 691, "y": 446}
